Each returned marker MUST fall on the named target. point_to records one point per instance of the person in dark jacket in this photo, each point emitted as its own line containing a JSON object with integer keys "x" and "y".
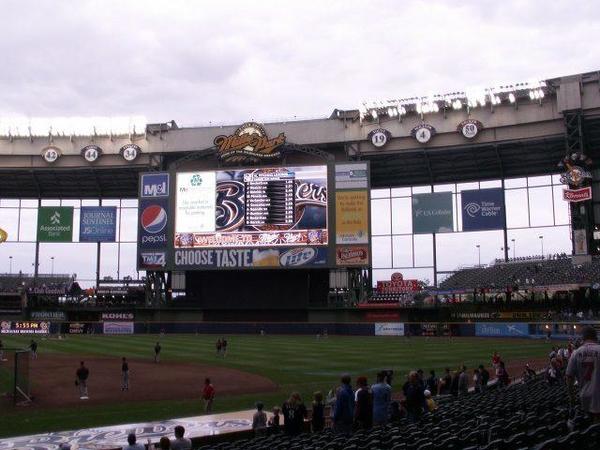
{"x": 432, "y": 383}
{"x": 294, "y": 413}
{"x": 318, "y": 413}
{"x": 502, "y": 374}
{"x": 463, "y": 381}
{"x": 454, "y": 384}
{"x": 445, "y": 383}
{"x": 363, "y": 413}
{"x": 485, "y": 377}
{"x": 343, "y": 412}
{"x": 415, "y": 399}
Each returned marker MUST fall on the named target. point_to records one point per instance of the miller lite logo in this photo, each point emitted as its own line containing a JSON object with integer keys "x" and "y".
{"x": 297, "y": 257}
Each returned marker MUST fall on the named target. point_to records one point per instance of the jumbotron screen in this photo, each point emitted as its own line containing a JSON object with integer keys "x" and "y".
{"x": 251, "y": 208}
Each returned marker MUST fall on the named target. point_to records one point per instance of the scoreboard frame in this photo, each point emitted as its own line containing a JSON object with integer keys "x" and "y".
{"x": 163, "y": 258}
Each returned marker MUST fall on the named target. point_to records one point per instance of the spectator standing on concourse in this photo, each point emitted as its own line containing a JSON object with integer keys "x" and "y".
{"x": 584, "y": 366}
{"x": 318, "y": 412}
{"x": 463, "y": 381}
{"x": 180, "y": 442}
{"x": 343, "y": 412}
{"x": 477, "y": 380}
{"x": 294, "y": 413}
{"x": 445, "y": 383}
{"x": 131, "y": 443}
{"x": 485, "y": 377}
{"x": 432, "y": 382}
{"x": 382, "y": 397}
{"x": 363, "y": 413}
{"x": 502, "y": 374}
{"x": 259, "y": 420}
{"x": 415, "y": 398}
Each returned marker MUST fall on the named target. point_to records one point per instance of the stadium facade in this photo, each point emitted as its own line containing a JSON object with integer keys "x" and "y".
{"x": 548, "y": 127}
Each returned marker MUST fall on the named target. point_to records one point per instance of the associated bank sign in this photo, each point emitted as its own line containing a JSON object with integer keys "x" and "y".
{"x": 482, "y": 209}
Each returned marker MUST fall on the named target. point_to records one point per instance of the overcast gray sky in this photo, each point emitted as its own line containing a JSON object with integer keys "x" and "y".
{"x": 231, "y": 61}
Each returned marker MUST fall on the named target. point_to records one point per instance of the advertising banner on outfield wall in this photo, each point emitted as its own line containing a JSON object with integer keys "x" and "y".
{"x": 497, "y": 329}
{"x": 389, "y": 329}
{"x": 117, "y": 316}
{"x": 55, "y": 224}
{"x": 432, "y": 213}
{"x": 98, "y": 224}
{"x": 117, "y": 327}
{"x": 482, "y": 209}
{"x": 245, "y": 258}
{"x": 352, "y": 217}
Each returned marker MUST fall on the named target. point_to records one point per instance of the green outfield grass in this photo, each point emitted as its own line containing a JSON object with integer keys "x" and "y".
{"x": 295, "y": 363}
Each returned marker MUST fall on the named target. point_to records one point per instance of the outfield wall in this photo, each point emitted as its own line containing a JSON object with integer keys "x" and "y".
{"x": 119, "y": 325}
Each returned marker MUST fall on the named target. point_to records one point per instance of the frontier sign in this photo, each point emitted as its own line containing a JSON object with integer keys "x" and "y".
{"x": 577, "y": 195}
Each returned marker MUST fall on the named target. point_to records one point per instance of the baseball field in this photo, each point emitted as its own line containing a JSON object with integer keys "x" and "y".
{"x": 265, "y": 368}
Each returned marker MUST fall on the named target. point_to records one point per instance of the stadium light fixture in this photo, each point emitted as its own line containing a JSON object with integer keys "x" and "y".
{"x": 472, "y": 98}
{"x": 21, "y": 126}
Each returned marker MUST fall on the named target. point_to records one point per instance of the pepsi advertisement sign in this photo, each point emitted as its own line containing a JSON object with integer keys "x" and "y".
{"x": 98, "y": 224}
{"x": 483, "y": 209}
{"x": 153, "y": 223}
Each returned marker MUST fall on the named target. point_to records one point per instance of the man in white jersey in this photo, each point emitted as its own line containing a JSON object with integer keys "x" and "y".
{"x": 584, "y": 366}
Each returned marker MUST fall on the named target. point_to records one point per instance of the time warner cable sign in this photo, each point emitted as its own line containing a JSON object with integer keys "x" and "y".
{"x": 482, "y": 209}
{"x": 153, "y": 220}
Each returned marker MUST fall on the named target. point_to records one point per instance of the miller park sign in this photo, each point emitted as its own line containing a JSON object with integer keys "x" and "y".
{"x": 249, "y": 142}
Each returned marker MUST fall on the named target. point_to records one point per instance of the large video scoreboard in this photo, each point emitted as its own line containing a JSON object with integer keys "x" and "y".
{"x": 259, "y": 217}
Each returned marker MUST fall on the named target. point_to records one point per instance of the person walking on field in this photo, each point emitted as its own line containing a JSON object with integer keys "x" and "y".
{"x": 208, "y": 395}
{"x": 33, "y": 347}
{"x": 82, "y": 375}
{"x": 219, "y": 346}
{"x": 124, "y": 375}
{"x": 157, "y": 349}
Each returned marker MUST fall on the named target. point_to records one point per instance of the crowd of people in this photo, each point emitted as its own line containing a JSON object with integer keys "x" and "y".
{"x": 365, "y": 406}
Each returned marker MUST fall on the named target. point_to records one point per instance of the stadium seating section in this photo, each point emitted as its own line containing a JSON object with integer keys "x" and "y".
{"x": 521, "y": 416}
{"x": 524, "y": 273}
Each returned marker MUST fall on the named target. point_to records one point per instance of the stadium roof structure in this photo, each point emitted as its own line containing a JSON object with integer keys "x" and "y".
{"x": 522, "y": 130}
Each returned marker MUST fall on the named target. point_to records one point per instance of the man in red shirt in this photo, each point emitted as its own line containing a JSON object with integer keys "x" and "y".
{"x": 208, "y": 395}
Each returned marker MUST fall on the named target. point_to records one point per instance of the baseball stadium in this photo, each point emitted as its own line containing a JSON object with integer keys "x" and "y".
{"x": 295, "y": 285}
